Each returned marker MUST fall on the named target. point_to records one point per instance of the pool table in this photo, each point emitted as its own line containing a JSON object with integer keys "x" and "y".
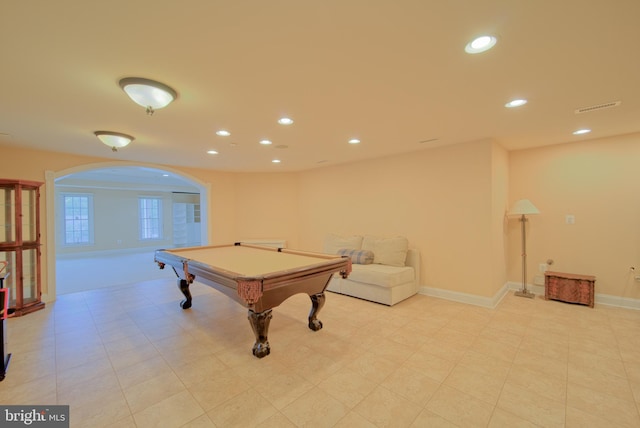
{"x": 258, "y": 277}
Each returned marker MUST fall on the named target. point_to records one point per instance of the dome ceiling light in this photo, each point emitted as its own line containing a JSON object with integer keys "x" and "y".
{"x": 148, "y": 93}
{"x": 115, "y": 140}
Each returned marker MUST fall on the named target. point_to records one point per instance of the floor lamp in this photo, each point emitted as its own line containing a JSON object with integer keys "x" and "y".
{"x": 522, "y": 208}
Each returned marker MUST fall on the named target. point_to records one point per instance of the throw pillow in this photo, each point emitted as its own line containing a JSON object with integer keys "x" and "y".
{"x": 360, "y": 257}
{"x": 391, "y": 251}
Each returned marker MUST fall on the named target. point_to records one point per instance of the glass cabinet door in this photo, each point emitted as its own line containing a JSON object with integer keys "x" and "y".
{"x": 30, "y": 293}
{"x": 7, "y": 215}
{"x": 29, "y": 227}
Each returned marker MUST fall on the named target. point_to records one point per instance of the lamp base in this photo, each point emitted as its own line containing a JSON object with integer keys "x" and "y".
{"x": 525, "y": 293}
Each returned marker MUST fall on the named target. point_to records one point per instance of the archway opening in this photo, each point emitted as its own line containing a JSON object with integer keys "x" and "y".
{"x": 110, "y": 219}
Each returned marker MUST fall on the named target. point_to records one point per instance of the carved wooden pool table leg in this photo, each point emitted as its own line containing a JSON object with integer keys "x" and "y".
{"x": 317, "y": 302}
{"x": 260, "y": 325}
{"x": 183, "y": 284}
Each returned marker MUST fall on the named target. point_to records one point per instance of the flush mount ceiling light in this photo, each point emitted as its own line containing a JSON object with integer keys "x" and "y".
{"x": 285, "y": 121}
{"x": 223, "y": 133}
{"x": 265, "y": 142}
{"x": 148, "y": 93}
{"x": 515, "y": 103}
{"x": 354, "y": 141}
{"x": 480, "y": 44}
{"x": 212, "y": 152}
{"x": 115, "y": 140}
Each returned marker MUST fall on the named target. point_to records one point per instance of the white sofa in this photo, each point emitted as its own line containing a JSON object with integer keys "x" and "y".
{"x": 392, "y": 275}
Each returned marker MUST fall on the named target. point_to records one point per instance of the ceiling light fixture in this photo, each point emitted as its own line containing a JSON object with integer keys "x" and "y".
{"x": 223, "y": 133}
{"x": 212, "y": 152}
{"x": 115, "y": 140}
{"x": 285, "y": 121}
{"x": 148, "y": 93}
{"x": 480, "y": 44}
{"x": 276, "y": 161}
{"x": 515, "y": 103}
{"x": 354, "y": 141}
{"x": 581, "y": 131}
{"x": 265, "y": 142}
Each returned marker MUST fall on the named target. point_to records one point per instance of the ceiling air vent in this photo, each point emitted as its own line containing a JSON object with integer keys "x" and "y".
{"x": 598, "y": 107}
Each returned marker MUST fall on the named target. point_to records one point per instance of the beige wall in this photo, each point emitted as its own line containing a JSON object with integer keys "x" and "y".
{"x": 441, "y": 199}
{"x": 499, "y": 206}
{"x": 267, "y": 207}
{"x": 598, "y": 182}
{"x": 449, "y": 201}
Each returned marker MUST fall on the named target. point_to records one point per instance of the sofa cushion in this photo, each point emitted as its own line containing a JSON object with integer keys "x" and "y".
{"x": 387, "y": 251}
{"x": 382, "y": 275}
{"x": 333, "y": 243}
{"x": 360, "y": 257}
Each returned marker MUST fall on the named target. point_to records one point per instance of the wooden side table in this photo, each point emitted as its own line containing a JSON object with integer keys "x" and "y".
{"x": 569, "y": 287}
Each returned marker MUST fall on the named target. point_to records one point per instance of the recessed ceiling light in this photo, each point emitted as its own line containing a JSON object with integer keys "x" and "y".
{"x": 265, "y": 142}
{"x": 581, "y": 131}
{"x": 480, "y": 44}
{"x": 165, "y": 175}
{"x": 212, "y": 152}
{"x": 276, "y": 161}
{"x": 515, "y": 103}
{"x": 354, "y": 141}
{"x": 285, "y": 121}
{"x": 223, "y": 133}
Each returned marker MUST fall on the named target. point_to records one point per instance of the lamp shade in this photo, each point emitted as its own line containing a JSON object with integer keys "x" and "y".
{"x": 148, "y": 93}
{"x": 115, "y": 140}
{"x": 523, "y": 207}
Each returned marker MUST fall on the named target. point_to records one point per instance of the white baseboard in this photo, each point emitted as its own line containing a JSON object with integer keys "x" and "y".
{"x": 492, "y": 302}
{"x": 471, "y": 299}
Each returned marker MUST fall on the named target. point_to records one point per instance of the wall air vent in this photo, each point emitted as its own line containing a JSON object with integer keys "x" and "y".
{"x": 598, "y": 107}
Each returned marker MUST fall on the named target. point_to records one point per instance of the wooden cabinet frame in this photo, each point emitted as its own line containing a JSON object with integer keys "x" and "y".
{"x": 20, "y": 244}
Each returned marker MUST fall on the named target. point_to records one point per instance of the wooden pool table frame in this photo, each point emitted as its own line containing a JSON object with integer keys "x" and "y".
{"x": 259, "y": 293}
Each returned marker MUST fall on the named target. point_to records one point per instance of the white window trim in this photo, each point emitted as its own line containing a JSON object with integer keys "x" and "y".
{"x": 160, "y": 219}
{"x": 89, "y": 196}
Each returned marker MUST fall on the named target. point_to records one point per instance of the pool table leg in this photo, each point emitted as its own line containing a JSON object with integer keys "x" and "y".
{"x": 260, "y": 325}
{"x": 183, "y": 285}
{"x": 317, "y": 302}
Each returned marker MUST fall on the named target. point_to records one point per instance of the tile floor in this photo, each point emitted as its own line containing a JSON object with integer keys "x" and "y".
{"x": 128, "y": 356}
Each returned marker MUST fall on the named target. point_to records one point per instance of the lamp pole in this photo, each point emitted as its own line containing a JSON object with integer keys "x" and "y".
{"x": 524, "y": 292}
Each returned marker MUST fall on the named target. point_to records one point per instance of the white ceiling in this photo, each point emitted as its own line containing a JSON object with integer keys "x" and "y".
{"x": 391, "y": 73}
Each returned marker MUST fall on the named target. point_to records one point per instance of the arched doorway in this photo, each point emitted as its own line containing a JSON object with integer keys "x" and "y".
{"x": 102, "y": 237}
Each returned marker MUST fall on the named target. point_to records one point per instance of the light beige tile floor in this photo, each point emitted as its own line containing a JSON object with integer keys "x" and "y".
{"x": 129, "y": 356}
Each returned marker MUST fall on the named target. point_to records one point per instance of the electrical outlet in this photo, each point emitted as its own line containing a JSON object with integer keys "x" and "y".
{"x": 542, "y": 267}
{"x": 570, "y": 219}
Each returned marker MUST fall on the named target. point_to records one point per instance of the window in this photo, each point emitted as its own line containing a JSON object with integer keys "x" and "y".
{"x": 78, "y": 219}
{"x": 150, "y": 214}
